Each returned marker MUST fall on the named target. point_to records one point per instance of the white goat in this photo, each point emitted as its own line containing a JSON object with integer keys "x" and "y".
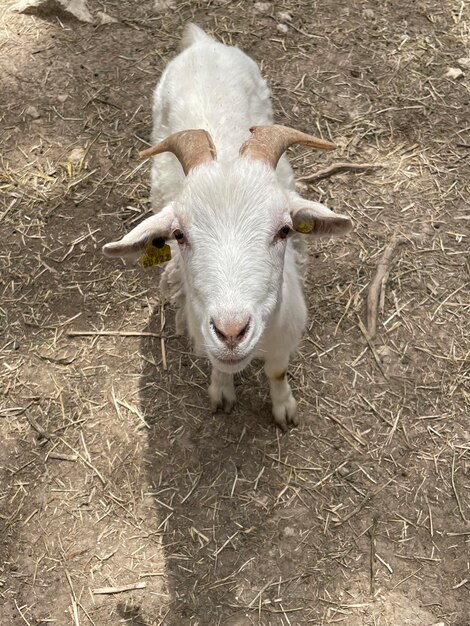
{"x": 227, "y": 207}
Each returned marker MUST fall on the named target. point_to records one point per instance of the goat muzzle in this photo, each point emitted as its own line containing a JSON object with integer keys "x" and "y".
{"x": 268, "y": 143}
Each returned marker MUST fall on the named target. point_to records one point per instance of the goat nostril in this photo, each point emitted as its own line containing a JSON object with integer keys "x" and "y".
{"x": 218, "y": 332}
{"x": 243, "y": 331}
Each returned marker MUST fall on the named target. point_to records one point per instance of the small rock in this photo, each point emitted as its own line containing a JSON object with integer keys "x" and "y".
{"x": 62, "y": 97}
{"x": 238, "y": 620}
{"x": 282, "y": 28}
{"x": 368, "y": 14}
{"x": 288, "y": 531}
{"x": 164, "y": 5}
{"x": 105, "y": 18}
{"x": 77, "y": 155}
{"x": 284, "y": 17}
{"x": 464, "y": 62}
{"x": 31, "y": 111}
{"x": 454, "y": 73}
{"x": 75, "y": 8}
{"x": 386, "y": 354}
{"x": 344, "y": 471}
{"x": 78, "y": 8}
{"x": 262, "y": 7}
{"x": 261, "y": 500}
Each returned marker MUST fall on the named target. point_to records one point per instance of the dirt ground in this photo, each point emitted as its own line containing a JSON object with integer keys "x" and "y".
{"x": 113, "y": 472}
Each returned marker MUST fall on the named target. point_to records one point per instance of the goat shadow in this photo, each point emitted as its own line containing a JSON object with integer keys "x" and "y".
{"x": 215, "y": 484}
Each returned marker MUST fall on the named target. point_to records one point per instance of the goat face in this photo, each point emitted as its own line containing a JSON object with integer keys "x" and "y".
{"x": 232, "y": 223}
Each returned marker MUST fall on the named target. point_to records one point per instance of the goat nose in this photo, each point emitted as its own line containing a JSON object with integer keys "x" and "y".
{"x": 232, "y": 332}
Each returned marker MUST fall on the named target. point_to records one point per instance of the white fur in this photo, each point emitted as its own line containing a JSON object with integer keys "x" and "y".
{"x": 233, "y": 266}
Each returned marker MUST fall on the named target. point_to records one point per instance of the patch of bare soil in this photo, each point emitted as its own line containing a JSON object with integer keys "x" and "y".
{"x": 122, "y": 499}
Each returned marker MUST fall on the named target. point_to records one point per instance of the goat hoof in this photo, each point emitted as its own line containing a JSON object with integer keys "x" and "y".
{"x": 222, "y": 399}
{"x": 223, "y": 404}
{"x": 285, "y": 413}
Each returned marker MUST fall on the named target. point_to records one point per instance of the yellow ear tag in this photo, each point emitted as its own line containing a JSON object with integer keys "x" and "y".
{"x": 302, "y": 227}
{"x": 154, "y": 255}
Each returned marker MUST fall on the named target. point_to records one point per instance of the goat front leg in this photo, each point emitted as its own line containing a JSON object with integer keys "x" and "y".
{"x": 221, "y": 391}
{"x": 284, "y": 403}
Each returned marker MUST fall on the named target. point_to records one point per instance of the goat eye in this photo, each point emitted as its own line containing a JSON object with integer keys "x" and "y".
{"x": 179, "y": 236}
{"x": 283, "y": 232}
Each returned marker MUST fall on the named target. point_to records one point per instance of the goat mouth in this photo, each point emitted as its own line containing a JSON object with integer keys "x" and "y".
{"x": 232, "y": 360}
{"x": 231, "y": 364}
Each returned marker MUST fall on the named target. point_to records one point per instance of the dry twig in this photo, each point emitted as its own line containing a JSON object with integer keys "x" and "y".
{"x": 121, "y": 589}
{"x": 337, "y": 168}
{"x": 111, "y": 333}
{"x": 378, "y": 283}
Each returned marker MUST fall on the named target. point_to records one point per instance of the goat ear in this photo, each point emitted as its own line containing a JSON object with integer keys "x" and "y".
{"x": 158, "y": 226}
{"x": 316, "y": 220}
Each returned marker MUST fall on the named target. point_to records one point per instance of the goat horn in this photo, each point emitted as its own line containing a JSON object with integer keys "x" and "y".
{"x": 191, "y": 148}
{"x": 268, "y": 143}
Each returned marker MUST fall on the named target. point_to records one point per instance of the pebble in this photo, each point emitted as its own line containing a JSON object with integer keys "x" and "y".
{"x": 262, "y": 7}
{"x": 284, "y": 17}
{"x": 282, "y": 28}
{"x": 77, "y": 8}
{"x": 368, "y": 14}
{"x": 238, "y": 620}
{"x": 164, "y": 5}
{"x": 105, "y": 18}
{"x": 32, "y": 112}
{"x": 76, "y": 155}
{"x": 454, "y": 73}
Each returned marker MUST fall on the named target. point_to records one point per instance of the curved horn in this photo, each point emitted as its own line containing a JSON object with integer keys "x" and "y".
{"x": 268, "y": 143}
{"x": 191, "y": 148}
